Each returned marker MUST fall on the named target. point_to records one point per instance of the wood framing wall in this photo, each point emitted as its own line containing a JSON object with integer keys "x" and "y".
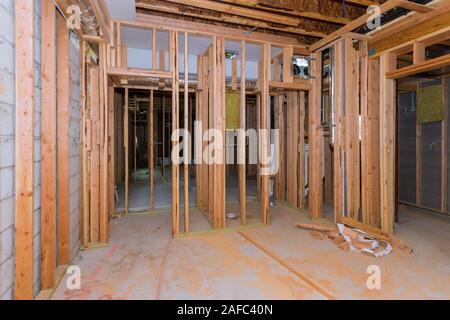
{"x": 45, "y": 148}
{"x": 24, "y": 181}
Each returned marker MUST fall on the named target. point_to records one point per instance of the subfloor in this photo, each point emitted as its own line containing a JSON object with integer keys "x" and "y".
{"x": 279, "y": 261}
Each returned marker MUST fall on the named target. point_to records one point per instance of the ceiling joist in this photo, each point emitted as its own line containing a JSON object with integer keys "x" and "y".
{"x": 229, "y": 19}
{"x": 298, "y": 13}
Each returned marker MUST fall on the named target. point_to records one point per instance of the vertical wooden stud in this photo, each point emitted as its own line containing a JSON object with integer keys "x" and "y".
{"x": 48, "y": 145}
{"x": 24, "y": 178}
{"x": 63, "y": 142}
{"x": 387, "y": 138}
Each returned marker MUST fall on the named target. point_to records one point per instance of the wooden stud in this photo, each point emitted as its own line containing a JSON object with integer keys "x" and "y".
{"x": 84, "y": 152}
{"x": 292, "y": 131}
{"x": 173, "y": 53}
{"x": 315, "y": 142}
{"x": 241, "y": 137}
{"x": 48, "y": 142}
{"x": 186, "y": 128}
{"x": 205, "y": 76}
{"x": 63, "y": 142}
{"x": 365, "y": 146}
{"x": 112, "y": 153}
{"x": 339, "y": 130}
{"x": 126, "y": 149}
{"x": 288, "y": 53}
{"x": 301, "y": 150}
{"x": 387, "y": 145}
{"x": 373, "y": 102}
{"x": 104, "y": 105}
{"x": 418, "y": 52}
{"x": 94, "y": 106}
{"x": 150, "y": 147}
{"x": 154, "y": 67}
{"x": 119, "y": 44}
{"x": 265, "y": 139}
{"x": 24, "y": 177}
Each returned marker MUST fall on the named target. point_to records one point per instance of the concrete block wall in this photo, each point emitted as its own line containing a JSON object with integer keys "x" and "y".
{"x": 74, "y": 138}
{"x": 7, "y": 148}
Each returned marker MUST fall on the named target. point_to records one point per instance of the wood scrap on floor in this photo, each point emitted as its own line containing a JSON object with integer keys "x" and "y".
{"x": 352, "y": 239}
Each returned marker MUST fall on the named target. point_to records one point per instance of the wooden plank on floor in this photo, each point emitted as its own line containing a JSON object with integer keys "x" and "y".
{"x": 48, "y": 145}
{"x": 24, "y": 145}
{"x": 63, "y": 102}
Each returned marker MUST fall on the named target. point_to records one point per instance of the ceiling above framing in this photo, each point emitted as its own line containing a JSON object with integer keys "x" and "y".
{"x": 306, "y": 20}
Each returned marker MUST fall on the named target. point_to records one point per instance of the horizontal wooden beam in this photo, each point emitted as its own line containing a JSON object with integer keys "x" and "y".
{"x": 224, "y": 17}
{"x": 420, "y": 67}
{"x": 303, "y": 14}
{"x": 304, "y": 85}
{"x": 354, "y": 25}
{"x": 198, "y": 28}
{"x": 134, "y": 73}
{"x": 240, "y": 11}
{"x": 366, "y": 3}
{"x": 412, "y": 28}
{"x": 416, "y": 7}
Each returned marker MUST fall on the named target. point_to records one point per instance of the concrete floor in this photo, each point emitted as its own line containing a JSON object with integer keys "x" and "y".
{"x": 139, "y": 191}
{"x": 280, "y": 261}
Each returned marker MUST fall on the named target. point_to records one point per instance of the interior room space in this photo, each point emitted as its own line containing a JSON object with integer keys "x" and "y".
{"x": 223, "y": 149}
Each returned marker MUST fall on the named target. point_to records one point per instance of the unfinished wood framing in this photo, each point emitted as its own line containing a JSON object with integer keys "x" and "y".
{"x": 126, "y": 148}
{"x": 63, "y": 103}
{"x": 241, "y": 142}
{"x": 24, "y": 178}
{"x": 186, "y": 141}
{"x": 315, "y": 143}
{"x": 94, "y": 133}
{"x": 48, "y": 141}
{"x": 387, "y": 145}
{"x": 174, "y": 68}
{"x": 301, "y": 201}
{"x": 292, "y": 128}
{"x": 150, "y": 148}
{"x": 264, "y": 135}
